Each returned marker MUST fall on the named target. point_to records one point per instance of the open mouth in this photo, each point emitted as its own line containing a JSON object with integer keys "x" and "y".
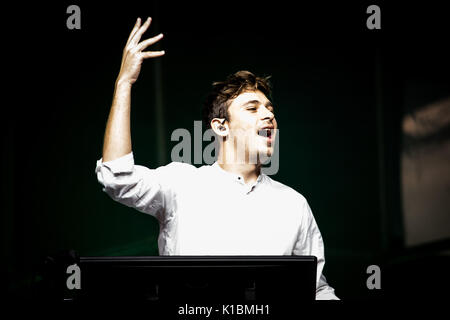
{"x": 266, "y": 133}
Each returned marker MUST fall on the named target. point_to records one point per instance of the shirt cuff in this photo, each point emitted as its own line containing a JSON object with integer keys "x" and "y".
{"x": 123, "y": 164}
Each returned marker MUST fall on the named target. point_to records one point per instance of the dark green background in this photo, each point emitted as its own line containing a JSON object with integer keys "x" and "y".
{"x": 339, "y": 90}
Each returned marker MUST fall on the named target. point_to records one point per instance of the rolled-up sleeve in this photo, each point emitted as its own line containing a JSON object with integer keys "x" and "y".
{"x": 148, "y": 190}
{"x": 310, "y": 243}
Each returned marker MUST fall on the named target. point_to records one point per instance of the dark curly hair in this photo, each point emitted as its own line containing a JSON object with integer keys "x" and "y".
{"x": 218, "y": 100}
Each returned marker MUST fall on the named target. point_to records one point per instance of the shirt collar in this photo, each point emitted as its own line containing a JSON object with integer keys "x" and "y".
{"x": 234, "y": 176}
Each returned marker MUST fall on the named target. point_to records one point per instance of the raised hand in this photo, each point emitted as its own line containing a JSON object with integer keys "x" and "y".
{"x": 133, "y": 54}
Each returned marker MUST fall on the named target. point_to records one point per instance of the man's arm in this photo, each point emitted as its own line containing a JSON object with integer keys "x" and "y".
{"x": 117, "y": 140}
{"x": 147, "y": 190}
{"x": 310, "y": 243}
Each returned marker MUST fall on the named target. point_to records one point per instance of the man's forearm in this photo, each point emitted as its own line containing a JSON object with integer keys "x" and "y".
{"x": 117, "y": 140}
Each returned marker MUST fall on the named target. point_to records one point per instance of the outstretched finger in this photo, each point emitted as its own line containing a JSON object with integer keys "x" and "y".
{"x": 144, "y": 44}
{"x": 152, "y": 54}
{"x": 137, "y": 36}
{"x": 135, "y": 28}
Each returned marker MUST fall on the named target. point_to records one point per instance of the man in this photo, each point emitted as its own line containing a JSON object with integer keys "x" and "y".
{"x": 228, "y": 208}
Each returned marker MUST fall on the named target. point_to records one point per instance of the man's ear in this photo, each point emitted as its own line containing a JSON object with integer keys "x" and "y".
{"x": 220, "y": 126}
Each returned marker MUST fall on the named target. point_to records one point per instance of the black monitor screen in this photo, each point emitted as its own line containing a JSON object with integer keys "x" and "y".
{"x": 277, "y": 282}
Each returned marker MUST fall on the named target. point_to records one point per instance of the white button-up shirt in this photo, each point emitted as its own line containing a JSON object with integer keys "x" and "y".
{"x": 210, "y": 211}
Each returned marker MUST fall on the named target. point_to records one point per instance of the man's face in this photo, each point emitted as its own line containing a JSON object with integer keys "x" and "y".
{"x": 252, "y": 124}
